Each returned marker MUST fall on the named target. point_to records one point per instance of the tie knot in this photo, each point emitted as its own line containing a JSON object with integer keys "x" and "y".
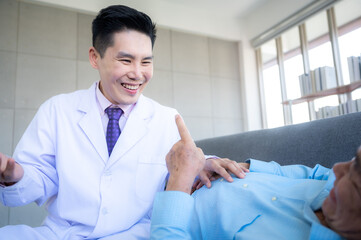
{"x": 114, "y": 113}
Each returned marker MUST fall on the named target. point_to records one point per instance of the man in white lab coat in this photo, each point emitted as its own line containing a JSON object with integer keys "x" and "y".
{"x": 93, "y": 192}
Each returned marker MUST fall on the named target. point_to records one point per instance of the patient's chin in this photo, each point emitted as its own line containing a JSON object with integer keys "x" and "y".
{"x": 328, "y": 210}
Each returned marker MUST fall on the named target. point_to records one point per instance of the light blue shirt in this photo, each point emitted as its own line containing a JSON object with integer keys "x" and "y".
{"x": 271, "y": 202}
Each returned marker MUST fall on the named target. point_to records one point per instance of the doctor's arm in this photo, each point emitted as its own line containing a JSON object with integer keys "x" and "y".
{"x": 33, "y": 174}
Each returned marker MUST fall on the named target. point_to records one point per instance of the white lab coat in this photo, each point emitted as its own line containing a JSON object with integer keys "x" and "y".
{"x": 65, "y": 158}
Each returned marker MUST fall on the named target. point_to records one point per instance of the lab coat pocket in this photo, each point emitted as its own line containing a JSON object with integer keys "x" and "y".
{"x": 151, "y": 174}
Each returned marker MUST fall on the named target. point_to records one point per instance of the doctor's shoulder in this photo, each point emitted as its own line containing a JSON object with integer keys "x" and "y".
{"x": 64, "y": 101}
{"x": 161, "y": 110}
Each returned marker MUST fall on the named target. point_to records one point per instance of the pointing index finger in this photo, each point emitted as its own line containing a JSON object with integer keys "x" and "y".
{"x": 182, "y": 129}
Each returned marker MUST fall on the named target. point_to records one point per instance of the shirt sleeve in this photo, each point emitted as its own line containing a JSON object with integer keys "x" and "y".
{"x": 292, "y": 171}
{"x": 172, "y": 214}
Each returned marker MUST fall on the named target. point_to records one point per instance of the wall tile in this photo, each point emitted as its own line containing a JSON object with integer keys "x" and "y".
{"x": 31, "y": 215}
{"x": 8, "y": 24}
{"x": 227, "y": 126}
{"x": 226, "y": 98}
{"x": 39, "y": 78}
{"x": 4, "y": 215}
{"x": 7, "y": 79}
{"x": 199, "y": 127}
{"x": 162, "y": 50}
{"x": 23, "y": 118}
{"x": 6, "y": 131}
{"x": 192, "y": 95}
{"x": 190, "y": 53}
{"x": 86, "y": 75}
{"x": 84, "y": 33}
{"x": 224, "y": 59}
{"x": 47, "y": 31}
{"x": 160, "y": 88}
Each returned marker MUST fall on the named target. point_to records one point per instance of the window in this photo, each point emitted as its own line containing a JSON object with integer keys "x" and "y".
{"x": 316, "y": 47}
{"x": 272, "y": 87}
{"x": 293, "y": 68}
{"x": 348, "y": 17}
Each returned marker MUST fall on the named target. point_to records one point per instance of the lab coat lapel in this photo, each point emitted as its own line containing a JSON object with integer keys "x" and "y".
{"x": 135, "y": 129}
{"x": 91, "y": 123}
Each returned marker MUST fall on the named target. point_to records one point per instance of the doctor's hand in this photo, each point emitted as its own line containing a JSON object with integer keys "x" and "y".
{"x": 184, "y": 161}
{"x": 10, "y": 171}
{"x": 220, "y": 167}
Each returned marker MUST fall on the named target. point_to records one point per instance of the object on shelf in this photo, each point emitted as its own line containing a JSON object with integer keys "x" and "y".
{"x": 344, "y": 108}
{"x": 319, "y": 79}
{"x": 354, "y": 68}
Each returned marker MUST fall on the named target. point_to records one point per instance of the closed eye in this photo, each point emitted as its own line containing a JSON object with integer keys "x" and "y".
{"x": 125, "y": 60}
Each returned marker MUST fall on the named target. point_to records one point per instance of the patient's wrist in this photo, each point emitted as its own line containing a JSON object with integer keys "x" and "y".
{"x": 244, "y": 164}
{"x": 180, "y": 183}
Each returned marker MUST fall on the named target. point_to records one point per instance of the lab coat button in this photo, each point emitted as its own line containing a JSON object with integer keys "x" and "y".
{"x": 107, "y": 173}
{"x": 245, "y": 185}
{"x": 274, "y": 198}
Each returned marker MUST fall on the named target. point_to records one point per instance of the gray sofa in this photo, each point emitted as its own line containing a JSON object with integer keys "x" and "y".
{"x": 325, "y": 141}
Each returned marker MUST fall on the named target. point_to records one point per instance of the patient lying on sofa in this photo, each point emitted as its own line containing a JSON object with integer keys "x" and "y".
{"x": 271, "y": 202}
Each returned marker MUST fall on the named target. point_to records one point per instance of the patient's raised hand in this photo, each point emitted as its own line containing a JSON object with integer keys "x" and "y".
{"x": 184, "y": 161}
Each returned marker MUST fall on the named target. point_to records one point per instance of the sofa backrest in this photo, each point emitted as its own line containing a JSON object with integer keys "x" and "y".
{"x": 325, "y": 141}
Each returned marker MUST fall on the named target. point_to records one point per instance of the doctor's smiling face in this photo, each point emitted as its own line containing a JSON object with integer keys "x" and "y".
{"x": 342, "y": 208}
{"x": 125, "y": 67}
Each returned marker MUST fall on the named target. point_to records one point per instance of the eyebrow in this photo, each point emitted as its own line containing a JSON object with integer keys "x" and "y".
{"x": 122, "y": 54}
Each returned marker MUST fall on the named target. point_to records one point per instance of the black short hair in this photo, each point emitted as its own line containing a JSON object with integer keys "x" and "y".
{"x": 117, "y": 18}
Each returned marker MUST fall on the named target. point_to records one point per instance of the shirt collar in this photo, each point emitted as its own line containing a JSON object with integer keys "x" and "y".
{"x": 104, "y": 103}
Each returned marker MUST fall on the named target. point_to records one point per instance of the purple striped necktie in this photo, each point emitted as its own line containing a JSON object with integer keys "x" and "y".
{"x": 113, "y": 130}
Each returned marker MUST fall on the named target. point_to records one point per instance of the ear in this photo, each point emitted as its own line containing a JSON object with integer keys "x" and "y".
{"x": 93, "y": 57}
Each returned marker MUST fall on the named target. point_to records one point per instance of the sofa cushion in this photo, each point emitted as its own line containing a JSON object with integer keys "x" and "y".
{"x": 325, "y": 141}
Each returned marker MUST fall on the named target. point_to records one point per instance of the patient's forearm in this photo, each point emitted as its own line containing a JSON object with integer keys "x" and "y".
{"x": 183, "y": 184}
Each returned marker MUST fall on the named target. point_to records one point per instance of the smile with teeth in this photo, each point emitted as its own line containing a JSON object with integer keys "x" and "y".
{"x": 130, "y": 87}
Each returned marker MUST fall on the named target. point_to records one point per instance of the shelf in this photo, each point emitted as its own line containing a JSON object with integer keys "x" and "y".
{"x": 328, "y": 92}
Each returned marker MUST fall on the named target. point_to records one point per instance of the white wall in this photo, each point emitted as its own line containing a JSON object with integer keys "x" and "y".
{"x": 168, "y": 14}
